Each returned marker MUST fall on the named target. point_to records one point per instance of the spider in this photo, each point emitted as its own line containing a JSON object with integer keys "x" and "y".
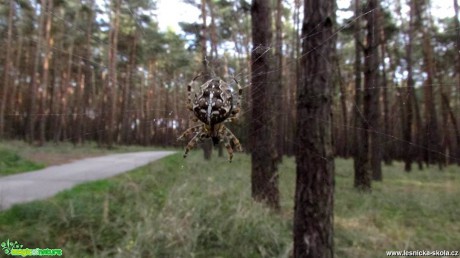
{"x": 213, "y": 106}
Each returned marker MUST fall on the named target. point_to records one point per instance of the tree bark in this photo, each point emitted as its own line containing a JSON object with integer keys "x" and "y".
{"x": 362, "y": 179}
{"x": 407, "y": 128}
{"x": 454, "y": 125}
{"x": 43, "y": 108}
{"x": 313, "y": 213}
{"x": 386, "y": 148}
{"x": 279, "y": 101}
{"x": 371, "y": 89}
{"x": 457, "y": 25}
{"x": 6, "y": 72}
{"x": 264, "y": 177}
{"x": 32, "y": 94}
{"x": 431, "y": 132}
{"x": 111, "y": 82}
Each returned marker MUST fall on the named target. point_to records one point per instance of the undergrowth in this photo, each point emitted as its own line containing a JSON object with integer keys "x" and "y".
{"x": 195, "y": 208}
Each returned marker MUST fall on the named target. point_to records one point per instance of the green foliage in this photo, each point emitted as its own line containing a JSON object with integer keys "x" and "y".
{"x": 191, "y": 208}
{"x": 11, "y": 162}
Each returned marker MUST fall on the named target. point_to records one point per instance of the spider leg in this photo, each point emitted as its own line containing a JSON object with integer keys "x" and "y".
{"x": 193, "y": 142}
{"x": 189, "y": 131}
{"x": 233, "y": 139}
{"x": 228, "y": 146}
{"x": 236, "y": 111}
{"x": 226, "y": 140}
{"x": 227, "y": 135}
{"x": 231, "y": 119}
{"x": 189, "y": 93}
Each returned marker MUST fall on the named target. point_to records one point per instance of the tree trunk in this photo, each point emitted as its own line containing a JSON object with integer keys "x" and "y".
{"x": 16, "y": 94}
{"x": 418, "y": 130}
{"x": 371, "y": 89}
{"x": 362, "y": 179}
{"x": 279, "y": 101}
{"x": 457, "y": 25}
{"x": 111, "y": 81}
{"x": 43, "y": 110}
{"x": 213, "y": 30}
{"x": 446, "y": 144}
{"x": 386, "y": 148}
{"x": 344, "y": 144}
{"x": 126, "y": 112}
{"x": 32, "y": 94}
{"x": 87, "y": 102}
{"x": 313, "y": 214}
{"x": 264, "y": 177}
{"x": 6, "y": 72}
{"x": 431, "y": 132}
{"x": 407, "y": 128}
{"x": 455, "y": 126}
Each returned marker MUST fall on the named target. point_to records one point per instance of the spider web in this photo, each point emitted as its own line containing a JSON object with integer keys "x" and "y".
{"x": 244, "y": 77}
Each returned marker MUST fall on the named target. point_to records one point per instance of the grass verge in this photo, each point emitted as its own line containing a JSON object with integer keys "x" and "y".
{"x": 18, "y": 156}
{"x": 11, "y": 163}
{"x": 193, "y": 208}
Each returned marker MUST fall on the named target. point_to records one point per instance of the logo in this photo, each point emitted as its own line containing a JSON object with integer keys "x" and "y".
{"x": 13, "y": 248}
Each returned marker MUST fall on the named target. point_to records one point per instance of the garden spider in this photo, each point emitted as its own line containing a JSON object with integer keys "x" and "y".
{"x": 213, "y": 107}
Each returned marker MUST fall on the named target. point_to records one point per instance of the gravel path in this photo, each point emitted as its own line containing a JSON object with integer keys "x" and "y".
{"x": 45, "y": 183}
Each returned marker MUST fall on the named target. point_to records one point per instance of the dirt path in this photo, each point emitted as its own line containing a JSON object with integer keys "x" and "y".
{"x": 47, "y": 182}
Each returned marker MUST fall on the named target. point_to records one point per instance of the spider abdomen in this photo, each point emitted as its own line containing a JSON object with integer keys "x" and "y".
{"x": 214, "y": 103}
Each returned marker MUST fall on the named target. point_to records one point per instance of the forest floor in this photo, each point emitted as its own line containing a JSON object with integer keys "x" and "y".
{"x": 190, "y": 207}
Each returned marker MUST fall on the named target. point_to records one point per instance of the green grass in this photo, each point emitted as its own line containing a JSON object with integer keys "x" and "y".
{"x": 89, "y": 148}
{"x": 193, "y": 208}
{"x": 18, "y": 156}
{"x": 11, "y": 162}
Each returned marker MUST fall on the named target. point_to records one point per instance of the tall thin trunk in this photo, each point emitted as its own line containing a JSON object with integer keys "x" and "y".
{"x": 43, "y": 108}
{"x": 126, "y": 112}
{"x": 455, "y": 126}
{"x": 5, "y": 91}
{"x": 314, "y": 194}
{"x": 418, "y": 131}
{"x": 386, "y": 156}
{"x": 278, "y": 89}
{"x": 111, "y": 83}
{"x": 372, "y": 88}
{"x": 150, "y": 127}
{"x": 446, "y": 145}
{"x": 88, "y": 95}
{"x": 77, "y": 106}
{"x": 294, "y": 86}
{"x": 362, "y": 179}
{"x": 16, "y": 94}
{"x": 431, "y": 133}
{"x": 407, "y": 128}
{"x": 61, "y": 126}
{"x": 344, "y": 145}
{"x": 457, "y": 25}
{"x": 264, "y": 176}
{"x": 32, "y": 94}
{"x": 213, "y": 30}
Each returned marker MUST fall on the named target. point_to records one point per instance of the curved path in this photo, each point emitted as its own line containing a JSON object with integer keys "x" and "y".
{"x": 41, "y": 184}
